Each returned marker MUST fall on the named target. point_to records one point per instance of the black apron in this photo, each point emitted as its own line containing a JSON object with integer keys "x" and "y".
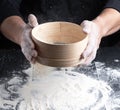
{"x": 62, "y": 10}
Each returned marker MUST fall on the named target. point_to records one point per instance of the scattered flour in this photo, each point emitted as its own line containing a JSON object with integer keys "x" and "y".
{"x": 116, "y": 60}
{"x": 51, "y": 88}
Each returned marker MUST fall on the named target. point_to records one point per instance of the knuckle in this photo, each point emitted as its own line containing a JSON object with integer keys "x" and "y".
{"x": 35, "y": 54}
{"x": 29, "y": 57}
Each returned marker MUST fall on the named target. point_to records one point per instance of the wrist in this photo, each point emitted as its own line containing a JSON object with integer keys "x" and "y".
{"x": 108, "y": 21}
{"x": 101, "y": 26}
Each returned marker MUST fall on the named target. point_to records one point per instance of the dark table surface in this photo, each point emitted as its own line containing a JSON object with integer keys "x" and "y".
{"x": 12, "y": 62}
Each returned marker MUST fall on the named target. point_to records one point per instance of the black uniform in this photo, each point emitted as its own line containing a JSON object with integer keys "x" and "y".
{"x": 56, "y": 10}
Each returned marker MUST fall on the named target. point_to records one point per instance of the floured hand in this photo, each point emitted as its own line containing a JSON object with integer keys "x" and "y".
{"x": 93, "y": 31}
{"x": 27, "y": 45}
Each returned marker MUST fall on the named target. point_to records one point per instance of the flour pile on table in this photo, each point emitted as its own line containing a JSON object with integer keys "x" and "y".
{"x": 50, "y": 88}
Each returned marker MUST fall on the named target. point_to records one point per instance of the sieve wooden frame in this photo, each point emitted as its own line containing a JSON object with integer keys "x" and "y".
{"x": 59, "y": 44}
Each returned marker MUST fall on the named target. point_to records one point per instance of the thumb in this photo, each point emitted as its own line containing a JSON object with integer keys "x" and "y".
{"x": 32, "y": 20}
{"x": 86, "y": 25}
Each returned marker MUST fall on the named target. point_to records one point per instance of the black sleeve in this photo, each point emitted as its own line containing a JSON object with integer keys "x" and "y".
{"x": 8, "y": 8}
{"x": 113, "y": 4}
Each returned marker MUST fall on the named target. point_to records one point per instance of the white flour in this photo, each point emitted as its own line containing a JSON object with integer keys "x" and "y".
{"x": 60, "y": 90}
{"x": 52, "y": 89}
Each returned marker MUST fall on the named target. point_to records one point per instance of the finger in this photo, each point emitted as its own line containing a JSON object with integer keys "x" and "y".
{"x": 27, "y": 41}
{"x": 88, "y": 50}
{"x": 86, "y": 25}
{"x": 90, "y": 58}
{"x": 26, "y": 53}
{"x": 32, "y": 20}
{"x": 29, "y": 53}
{"x": 29, "y": 57}
{"x": 92, "y": 43}
{"x": 34, "y": 53}
{"x": 33, "y": 60}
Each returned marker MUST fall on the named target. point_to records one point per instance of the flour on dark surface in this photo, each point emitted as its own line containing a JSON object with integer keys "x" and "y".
{"x": 96, "y": 87}
{"x": 104, "y": 94}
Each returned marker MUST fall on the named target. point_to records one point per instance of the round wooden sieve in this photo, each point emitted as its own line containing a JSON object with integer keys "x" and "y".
{"x": 59, "y": 44}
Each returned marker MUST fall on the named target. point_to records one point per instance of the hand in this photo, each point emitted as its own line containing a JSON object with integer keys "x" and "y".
{"x": 94, "y": 39}
{"x": 27, "y": 45}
